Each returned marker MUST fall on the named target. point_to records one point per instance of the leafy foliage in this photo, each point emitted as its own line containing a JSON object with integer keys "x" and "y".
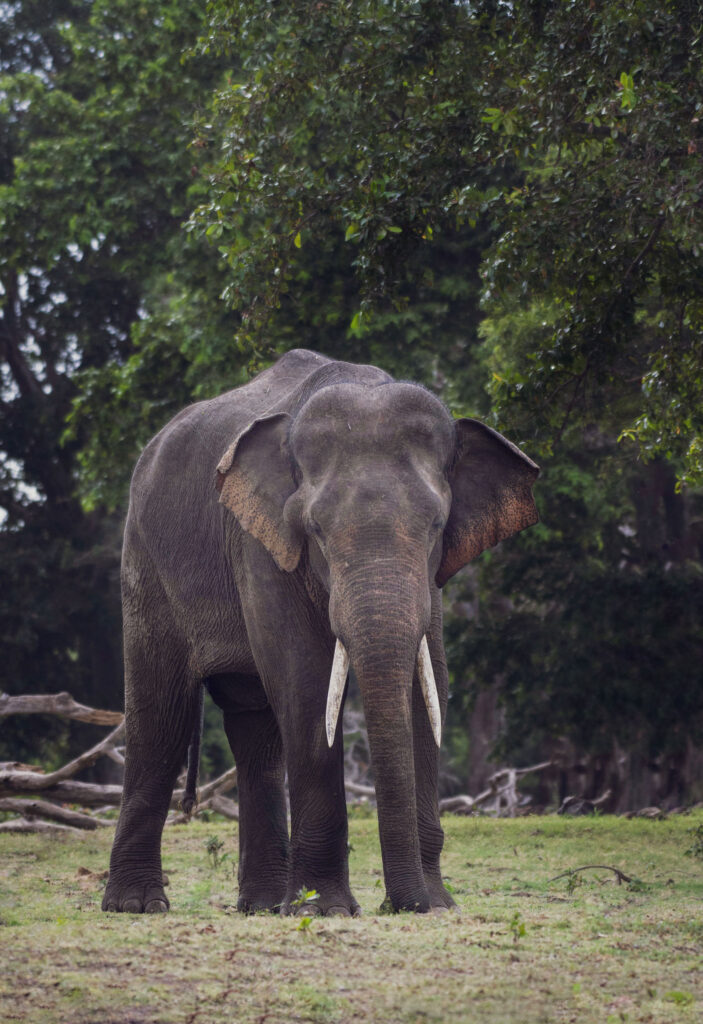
{"x": 94, "y": 179}
{"x": 600, "y": 109}
{"x": 499, "y": 200}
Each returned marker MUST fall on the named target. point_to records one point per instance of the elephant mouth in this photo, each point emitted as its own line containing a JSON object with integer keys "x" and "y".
{"x": 338, "y": 679}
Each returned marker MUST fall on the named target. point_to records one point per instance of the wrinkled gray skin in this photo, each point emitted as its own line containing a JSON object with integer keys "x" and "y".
{"x": 345, "y": 500}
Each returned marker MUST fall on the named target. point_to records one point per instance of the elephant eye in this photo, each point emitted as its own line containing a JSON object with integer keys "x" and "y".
{"x": 438, "y": 524}
{"x": 315, "y": 528}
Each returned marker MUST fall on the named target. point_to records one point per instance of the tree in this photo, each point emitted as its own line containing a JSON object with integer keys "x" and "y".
{"x": 94, "y": 179}
{"x": 601, "y": 108}
{"x": 358, "y": 181}
{"x": 569, "y": 136}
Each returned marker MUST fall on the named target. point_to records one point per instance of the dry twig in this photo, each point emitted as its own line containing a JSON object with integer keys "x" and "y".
{"x": 620, "y": 875}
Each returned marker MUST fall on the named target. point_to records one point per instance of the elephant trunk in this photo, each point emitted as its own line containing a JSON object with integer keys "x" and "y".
{"x": 383, "y": 634}
{"x": 385, "y": 672}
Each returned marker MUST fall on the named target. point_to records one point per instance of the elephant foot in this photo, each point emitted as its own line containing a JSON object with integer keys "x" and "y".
{"x": 328, "y": 904}
{"x": 131, "y": 898}
{"x": 440, "y": 898}
{"x": 259, "y": 904}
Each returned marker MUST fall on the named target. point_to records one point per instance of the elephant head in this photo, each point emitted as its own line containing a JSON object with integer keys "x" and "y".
{"x": 385, "y": 497}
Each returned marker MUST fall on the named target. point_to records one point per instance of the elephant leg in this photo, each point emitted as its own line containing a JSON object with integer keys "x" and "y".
{"x": 158, "y": 732}
{"x": 426, "y": 753}
{"x": 256, "y": 743}
{"x": 162, "y": 703}
{"x": 319, "y": 833}
{"x": 293, "y": 654}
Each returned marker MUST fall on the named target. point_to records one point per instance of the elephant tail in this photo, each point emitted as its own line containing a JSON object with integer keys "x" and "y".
{"x": 190, "y": 794}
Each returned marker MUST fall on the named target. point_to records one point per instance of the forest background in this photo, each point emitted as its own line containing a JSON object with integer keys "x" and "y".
{"x": 500, "y": 200}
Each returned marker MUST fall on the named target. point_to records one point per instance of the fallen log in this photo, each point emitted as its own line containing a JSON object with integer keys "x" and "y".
{"x": 61, "y": 704}
{"x": 358, "y": 789}
{"x": 43, "y": 809}
{"x": 87, "y": 794}
{"x": 34, "y": 782}
{"x": 36, "y": 825}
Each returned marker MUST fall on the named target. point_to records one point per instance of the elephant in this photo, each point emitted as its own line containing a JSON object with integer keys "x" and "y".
{"x": 278, "y": 535}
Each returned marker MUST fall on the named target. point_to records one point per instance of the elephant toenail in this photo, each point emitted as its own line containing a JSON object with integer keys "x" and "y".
{"x": 111, "y": 908}
{"x": 132, "y": 906}
{"x": 308, "y": 910}
{"x": 337, "y": 912}
{"x": 156, "y": 907}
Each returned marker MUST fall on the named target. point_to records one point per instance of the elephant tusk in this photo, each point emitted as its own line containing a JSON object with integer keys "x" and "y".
{"x": 429, "y": 689}
{"x": 338, "y": 680}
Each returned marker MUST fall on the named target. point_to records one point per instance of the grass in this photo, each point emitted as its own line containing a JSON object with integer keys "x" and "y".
{"x": 583, "y": 948}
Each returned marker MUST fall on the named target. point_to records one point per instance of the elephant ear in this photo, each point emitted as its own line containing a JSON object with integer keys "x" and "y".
{"x": 491, "y": 495}
{"x": 255, "y": 479}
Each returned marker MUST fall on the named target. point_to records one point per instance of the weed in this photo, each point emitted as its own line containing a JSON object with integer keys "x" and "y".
{"x": 679, "y": 998}
{"x": 696, "y": 848}
{"x": 573, "y": 881}
{"x": 304, "y": 896}
{"x": 637, "y": 885}
{"x": 213, "y": 845}
{"x": 517, "y": 927}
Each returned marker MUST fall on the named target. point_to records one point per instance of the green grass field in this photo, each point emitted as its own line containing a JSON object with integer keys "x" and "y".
{"x": 582, "y": 948}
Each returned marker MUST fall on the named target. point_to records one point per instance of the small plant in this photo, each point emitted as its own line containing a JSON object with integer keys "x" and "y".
{"x": 213, "y": 845}
{"x": 304, "y": 896}
{"x": 572, "y": 882}
{"x": 679, "y": 998}
{"x": 696, "y": 848}
{"x": 517, "y": 927}
{"x": 637, "y": 885}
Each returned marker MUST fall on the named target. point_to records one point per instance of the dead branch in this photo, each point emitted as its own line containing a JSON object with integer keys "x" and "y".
{"x": 219, "y": 803}
{"x": 223, "y": 784}
{"x": 61, "y": 704}
{"x": 457, "y": 805}
{"x": 87, "y": 794}
{"x": 34, "y": 782}
{"x": 620, "y": 875}
{"x": 223, "y": 805}
{"x": 43, "y": 809}
{"x": 36, "y": 825}
{"x": 61, "y": 787}
{"x": 501, "y": 794}
{"x": 116, "y": 754}
{"x": 358, "y": 790}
